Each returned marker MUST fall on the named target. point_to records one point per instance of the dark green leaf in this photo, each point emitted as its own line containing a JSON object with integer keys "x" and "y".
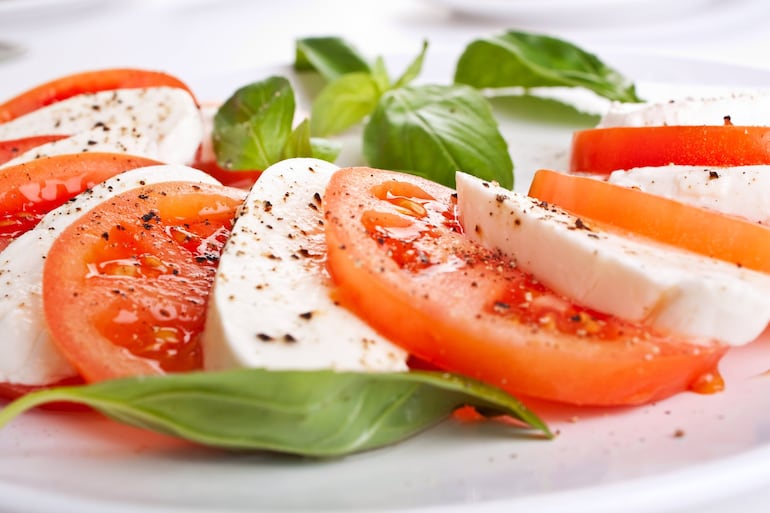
{"x": 414, "y": 69}
{"x": 251, "y": 128}
{"x": 332, "y": 57}
{"x": 434, "y": 131}
{"x": 313, "y": 413}
{"x": 532, "y": 60}
{"x": 343, "y": 103}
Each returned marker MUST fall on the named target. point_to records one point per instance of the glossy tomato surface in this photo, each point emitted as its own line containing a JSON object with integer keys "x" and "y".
{"x": 603, "y": 150}
{"x": 125, "y": 287}
{"x": 399, "y": 259}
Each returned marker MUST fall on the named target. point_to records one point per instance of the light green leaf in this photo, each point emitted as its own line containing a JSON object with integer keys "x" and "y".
{"x": 311, "y": 413}
{"x": 325, "y": 149}
{"x": 343, "y": 103}
{"x": 433, "y": 131}
{"x": 298, "y": 144}
{"x": 380, "y": 75}
{"x": 414, "y": 69}
{"x": 251, "y": 128}
{"x": 332, "y": 57}
{"x": 531, "y": 60}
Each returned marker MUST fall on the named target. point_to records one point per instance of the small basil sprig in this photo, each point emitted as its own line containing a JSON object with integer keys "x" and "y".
{"x": 520, "y": 59}
{"x": 431, "y": 131}
{"x": 354, "y": 86}
{"x": 253, "y": 128}
{"x": 310, "y": 413}
{"x": 435, "y": 130}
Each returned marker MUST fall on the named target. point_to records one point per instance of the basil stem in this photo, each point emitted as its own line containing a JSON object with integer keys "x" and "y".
{"x": 434, "y": 131}
{"x": 310, "y": 413}
{"x": 530, "y": 60}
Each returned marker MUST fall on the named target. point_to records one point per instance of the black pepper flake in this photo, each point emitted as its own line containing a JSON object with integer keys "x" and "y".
{"x": 313, "y": 206}
{"x": 501, "y": 306}
{"x": 268, "y": 206}
{"x": 713, "y": 175}
{"x": 500, "y": 198}
{"x": 306, "y": 315}
{"x": 105, "y": 236}
{"x": 289, "y": 338}
{"x": 264, "y": 337}
{"x": 91, "y": 142}
{"x": 317, "y": 198}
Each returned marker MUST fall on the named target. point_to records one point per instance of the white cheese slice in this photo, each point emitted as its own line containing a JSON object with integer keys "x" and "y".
{"x": 27, "y": 354}
{"x": 161, "y": 123}
{"x": 747, "y": 109}
{"x": 270, "y": 306}
{"x": 741, "y": 191}
{"x": 669, "y": 289}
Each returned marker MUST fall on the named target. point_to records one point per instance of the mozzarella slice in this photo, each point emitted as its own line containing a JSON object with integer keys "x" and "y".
{"x": 161, "y": 123}
{"x": 270, "y": 306}
{"x": 739, "y": 108}
{"x": 741, "y": 191}
{"x": 666, "y": 288}
{"x": 27, "y": 353}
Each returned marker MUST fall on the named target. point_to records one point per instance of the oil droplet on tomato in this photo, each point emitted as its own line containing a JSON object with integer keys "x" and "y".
{"x": 708, "y": 383}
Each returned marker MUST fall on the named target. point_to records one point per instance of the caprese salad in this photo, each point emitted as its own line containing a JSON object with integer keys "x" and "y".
{"x": 262, "y": 317}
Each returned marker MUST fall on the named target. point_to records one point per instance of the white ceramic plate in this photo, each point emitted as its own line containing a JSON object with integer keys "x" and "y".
{"x": 688, "y": 453}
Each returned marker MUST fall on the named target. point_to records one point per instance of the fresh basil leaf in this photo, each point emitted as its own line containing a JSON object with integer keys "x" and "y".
{"x": 434, "y": 131}
{"x": 325, "y": 149}
{"x": 332, "y": 57}
{"x": 312, "y": 413}
{"x": 380, "y": 75}
{"x": 343, "y": 103}
{"x": 414, "y": 69}
{"x": 298, "y": 143}
{"x": 251, "y": 128}
{"x": 531, "y": 60}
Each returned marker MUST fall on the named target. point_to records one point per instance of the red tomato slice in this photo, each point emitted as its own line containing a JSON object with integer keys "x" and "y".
{"x": 399, "y": 260}
{"x": 125, "y": 287}
{"x": 15, "y": 147}
{"x": 86, "y": 82}
{"x": 30, "y": 190}
{"x": 603, "y": 150}
{"x": 700, "y": 230}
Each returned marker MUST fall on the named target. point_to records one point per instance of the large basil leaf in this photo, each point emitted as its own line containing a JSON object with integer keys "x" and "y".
{"x": 532, "y": 60}
{"x": 253, "y": 125}
{"x": 332, "y": 57}
{"x": 434, "y": 131}
{"x": 312, "y": 413}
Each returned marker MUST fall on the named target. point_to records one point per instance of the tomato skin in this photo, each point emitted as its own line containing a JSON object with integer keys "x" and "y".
{"x": 10, "y": 149}
{"x": 125, "y": 287}
{"x": 85, "y": 82}
{"x": 603, "y": 150}
{"x": 30, "y": 190}
{"x": 467, "y": 309}
{"x": 713, "y": 234}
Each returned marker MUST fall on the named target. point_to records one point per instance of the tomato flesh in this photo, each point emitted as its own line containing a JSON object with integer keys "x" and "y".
{"x": 86, "y": 82}
{"x": 30, "y": 190}
{"x": 710, "y": 233}
{"x": 398, "y": 257}
{"x": 603, "y": 150}
{"x": 125, "y": 288}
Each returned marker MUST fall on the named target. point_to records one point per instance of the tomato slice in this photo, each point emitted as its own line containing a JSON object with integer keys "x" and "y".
{"x": 86, "y": 82}
{"x": 398, "y": 257}
{"x": 603, "y": 150}
{"x": 700, "y": 230}
{"x": 30, "y": 190}
{"x": 11, "y": 149}
{"x": 125, "y": 287}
